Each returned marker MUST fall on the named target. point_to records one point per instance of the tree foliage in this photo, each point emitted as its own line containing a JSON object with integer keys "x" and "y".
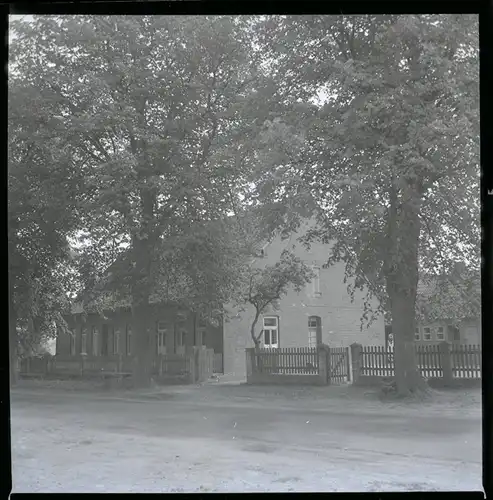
{"x": 153, "y": 109}
{"x": 263, "y": 286}
{"x": 44, "y": 186}
{"x": 386, "y": 147}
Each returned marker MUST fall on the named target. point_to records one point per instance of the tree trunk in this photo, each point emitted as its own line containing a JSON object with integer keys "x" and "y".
{"x": 402, "y": 283}
{"x": 142, "y": 365}
{"x": 13, "y": 352}
{"x": 407, "y": 375}
{"x": 13, "y": 341}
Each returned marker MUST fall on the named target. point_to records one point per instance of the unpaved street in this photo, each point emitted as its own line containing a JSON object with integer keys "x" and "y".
{"x": 70, "y": 443}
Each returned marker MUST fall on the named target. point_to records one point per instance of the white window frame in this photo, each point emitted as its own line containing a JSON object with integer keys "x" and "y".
{"x": 95, "y": 341}
{"x": 181, "y": 334}
{"x": 316, "y": 281}
{"x": 270, "y": 329}
{"x": 427, "y": 333}
{"x": 417, "y": 333}
{"x": 162, "y": 330}
{"x": 440, "y": 335}
{"x": 116, "y": 340}
{"x": 83, "y": 340}
{"x": 129, "y": 340}
{"x": 313, "y": 329}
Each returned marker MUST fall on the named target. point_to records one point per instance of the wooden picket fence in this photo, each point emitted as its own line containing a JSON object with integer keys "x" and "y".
{"x": 376, "y": 361}
{"x": 466, "y": 361}
{"x": 288, "y": 361}
{"x": 429, "y": 361}
{"x": 434, "y": 361}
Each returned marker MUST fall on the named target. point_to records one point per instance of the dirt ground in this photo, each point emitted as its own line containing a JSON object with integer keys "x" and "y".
{"x": 230, "y": 438}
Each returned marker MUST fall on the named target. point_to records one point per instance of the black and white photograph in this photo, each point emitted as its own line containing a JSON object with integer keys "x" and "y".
{"x": 244, "y": 253}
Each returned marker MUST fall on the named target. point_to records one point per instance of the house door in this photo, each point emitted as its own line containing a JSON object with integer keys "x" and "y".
{"x": 104, "y": 340}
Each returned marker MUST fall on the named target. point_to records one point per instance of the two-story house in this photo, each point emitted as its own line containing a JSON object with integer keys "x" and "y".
{"x": 323, "y": 312}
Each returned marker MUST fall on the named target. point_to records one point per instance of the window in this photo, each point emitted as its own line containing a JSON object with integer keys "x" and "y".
{"x": 83, "y": 341}
{"x": 417, "y": 335}
{"x": 95, "y": 341}
{"x": 440, "y": 333}
{"x": 314, "y": 331}
{"x": 162, "y": 330}
{"x": 316, "y": 281}
{"x": 426, "y": 333}
{"x": 129, "y": 340}
{"x": 116, "y": 341}
{"x": 271, "y": 332}
{"x": 181, "y": 340}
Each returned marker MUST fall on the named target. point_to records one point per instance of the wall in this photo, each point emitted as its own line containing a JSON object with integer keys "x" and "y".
{"x": 214, "y": 337}
{"x": 340, "y": 317}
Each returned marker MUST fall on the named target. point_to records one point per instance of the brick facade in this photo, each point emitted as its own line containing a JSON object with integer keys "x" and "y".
{"x": 340, "y": 318}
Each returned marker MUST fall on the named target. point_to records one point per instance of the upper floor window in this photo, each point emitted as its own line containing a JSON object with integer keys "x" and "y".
{"x": 270, "y": 333}
{"x": 417, "y": 335}
{"x": 316, "y": 281}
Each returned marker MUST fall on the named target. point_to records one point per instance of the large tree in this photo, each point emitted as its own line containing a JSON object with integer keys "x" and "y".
{"x": 44, "y": 186}
{"x": 380, "y": 130}
{"x": 154, "y": 109}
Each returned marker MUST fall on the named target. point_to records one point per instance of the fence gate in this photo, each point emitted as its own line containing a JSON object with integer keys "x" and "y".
{"x": 338, "y": 371}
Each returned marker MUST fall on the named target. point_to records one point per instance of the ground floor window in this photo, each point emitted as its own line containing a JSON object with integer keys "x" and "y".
{"x": 162, "y": 330}
{"x": 95, "y": 341}
{"x": 129, "y": 340}
{"x": 116, "y": 341}
{"x": 270, "y": 333}
{"x": 180, "y": 340}
{"x": 83, "y": 341}
{"x": 440, "y": 333}
{"x": 314, "y": 331}
{"x": 426, "y": 333}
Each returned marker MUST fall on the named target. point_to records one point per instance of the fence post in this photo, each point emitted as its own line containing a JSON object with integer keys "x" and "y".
{"x": 356, "y": 361}
{"x": 323, "y": 352}
{"x": 446, "y": 362}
